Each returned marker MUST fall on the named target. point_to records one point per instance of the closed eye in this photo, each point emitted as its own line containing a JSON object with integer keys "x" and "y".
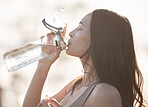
{"x": 80, "y": 27}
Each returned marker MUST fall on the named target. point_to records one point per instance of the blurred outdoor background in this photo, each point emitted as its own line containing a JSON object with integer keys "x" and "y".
{"x": 20, "y": 23}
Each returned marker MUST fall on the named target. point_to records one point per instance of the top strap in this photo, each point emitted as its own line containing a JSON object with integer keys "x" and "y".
{"x": 82, "y": 99}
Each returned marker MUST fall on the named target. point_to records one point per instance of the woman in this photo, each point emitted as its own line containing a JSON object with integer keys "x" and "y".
{"x": 104, "y": 43}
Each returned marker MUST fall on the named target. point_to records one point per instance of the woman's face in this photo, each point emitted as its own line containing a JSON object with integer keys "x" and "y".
{"x": 80, "y": 38}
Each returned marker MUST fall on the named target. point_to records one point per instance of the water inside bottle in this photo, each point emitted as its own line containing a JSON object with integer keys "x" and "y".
{"x": 23, "y": 56}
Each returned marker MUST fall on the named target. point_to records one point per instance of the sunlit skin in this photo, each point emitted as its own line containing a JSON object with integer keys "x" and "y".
{"x": 80, "y": 38}
{"x": 103, "y": 95}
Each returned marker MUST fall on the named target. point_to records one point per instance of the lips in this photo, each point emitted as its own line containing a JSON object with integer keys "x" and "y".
{"x": 68, "y": 43}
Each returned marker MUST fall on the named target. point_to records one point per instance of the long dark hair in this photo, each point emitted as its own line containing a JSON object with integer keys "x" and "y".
{"x": 113, "y": 55}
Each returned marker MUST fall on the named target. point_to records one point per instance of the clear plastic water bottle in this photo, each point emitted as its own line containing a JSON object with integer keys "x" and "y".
{"x": 20, "y": 57}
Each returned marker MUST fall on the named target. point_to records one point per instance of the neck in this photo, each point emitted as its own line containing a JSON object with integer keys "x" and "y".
{"x": 90, "y": 75}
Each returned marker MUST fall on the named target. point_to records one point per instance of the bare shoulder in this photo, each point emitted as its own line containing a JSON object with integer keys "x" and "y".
{"x": 104, "y": 95}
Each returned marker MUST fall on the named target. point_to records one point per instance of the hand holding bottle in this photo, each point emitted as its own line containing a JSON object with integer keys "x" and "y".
{"x": 50, "y": 50}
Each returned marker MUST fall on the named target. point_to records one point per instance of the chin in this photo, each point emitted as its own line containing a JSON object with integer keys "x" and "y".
{"x": 68, "y": 52}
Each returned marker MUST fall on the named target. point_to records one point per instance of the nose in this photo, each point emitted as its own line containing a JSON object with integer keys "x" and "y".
{"x": 72, "y": 33}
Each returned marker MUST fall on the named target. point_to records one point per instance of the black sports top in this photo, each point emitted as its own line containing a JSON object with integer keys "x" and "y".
{"x": 82, "y": 99}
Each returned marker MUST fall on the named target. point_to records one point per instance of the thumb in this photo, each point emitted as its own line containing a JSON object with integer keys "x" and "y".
{"x": 54, "y": 102}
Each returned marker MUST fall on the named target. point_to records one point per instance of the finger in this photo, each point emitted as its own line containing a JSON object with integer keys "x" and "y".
{"x": 58, "y": 51}
{"x": 43, "y": 103}
{"x": 54, "y": 102}
{"x": 49, "y": 48}
{"x": 50, "y": 39}
{"x": 39, "y": 105}
{"x": 49, "y": 34}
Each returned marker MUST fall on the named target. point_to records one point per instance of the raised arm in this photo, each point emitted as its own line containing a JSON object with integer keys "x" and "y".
{"x": 33, "y": 94}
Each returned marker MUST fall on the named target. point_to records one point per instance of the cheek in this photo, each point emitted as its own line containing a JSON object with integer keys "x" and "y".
{"x": 79, "y": 45}
{"x": 83, "y": 43}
